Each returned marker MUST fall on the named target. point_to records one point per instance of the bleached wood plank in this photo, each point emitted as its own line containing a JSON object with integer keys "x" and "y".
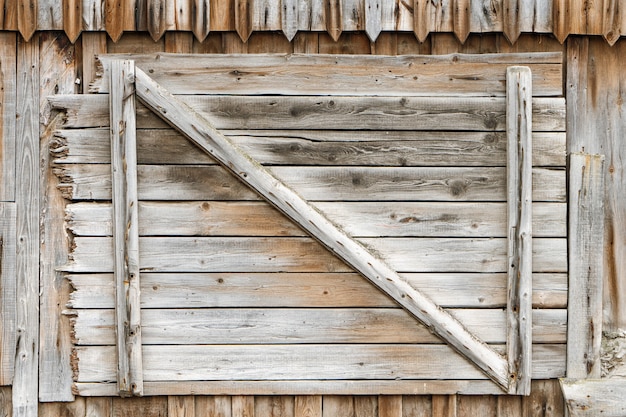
{"x": 8, "y": 96}
{"x": 181, "y": 406}
{"x": 594, "y": 397}
{"x": 373, "y": 18}
{"x": 334, "y": 113}
{"x": 298, "y": 326}
{"x": 289, "y": 18}
{"x": 8, "y": 294}
{"x": 460, "y": 290}
{"x": 520, "y": 237}
{"x": 182, "y": 182}
{"x": 586, "y": 207}
{"x": 320, "y": 148}
{"x": 473, "y": 75}
{"x": 125, "y": 228}
{"x": 242, "y": 405}
{"x": 93, "y": 16}
{"x": 25, "y": 381}
{"x": 93, "y": 44}
{"x": 287, "y": 254}
{"x": 359, "y": 219}
{"x": 266, "y": 15}
{"x": 308, "y": 406}
{"x": 49, "y": 15}
{"x": 306, "y": 362}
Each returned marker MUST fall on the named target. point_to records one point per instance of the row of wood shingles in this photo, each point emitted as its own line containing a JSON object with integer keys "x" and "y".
{"x": 561, "y": 17}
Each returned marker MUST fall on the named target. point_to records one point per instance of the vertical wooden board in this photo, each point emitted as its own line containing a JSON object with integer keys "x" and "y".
{"x": 212, "y": 44}
{"x": 421, "y": 19}
{"x": 444, "y": 405}
{"x": 509, "y": 406}
{"x": 408, "y": 44}
{"x": 181, "y": 406}
{"x": 338, "y": 405}
{"x": 135, "y": 42}
{"x": 348, "y": 43}
{"x": 7, "y": 292}
{"x": 444, "y": 43}
{"x": 72, "y": 18}
{"x": 213, "y": 406}
{"x": 511, "y": 19}
{"x": 352, "y": 15}
{"x": 8, "y": 94}
{"x": 157, "y": 17}
{"x": 269, "y": 42}
{"x": 274, "y": 406}
{"x": 390, "y": 406}
{"x": 27, "y": 230}
{"x": 6, "y": 407}
{"x": 222, "y": 15}
{"x": 49, "y": 15}
{"x": 367, "y": 406}
{"x": 477, "y": 405}
{"x": 126, "y": 227}
{"x": 93, "y": 15}
{"x": 416, "y": 405}
{"x": 233, "y": 44}
{"x": 243, "y": 19}
{"x": 200, "y": 18}
{"x": 586, "y": 209}
{"x": 114, "y": 18}
{"x": 461, "y": 13}
{"x": 63, "y": 409}
{"x": 179, "y": 42}
{"x": 307, "y": 406}
{"x": 373, "y": 18}
{"x": 94, "y": 44}
{"x": 306, "y": 43}
{"x": 289, "y": 18}
{"x": 386, "y": 44}
{"x": 545, "y": 400}
{"x": 266, "y": 15}
{"x": 561, "y": 21}
{"x": 8, "y": 15}
{"x": 612, "y": 23}
{"x": 144, "y": 407}
{"x": 334, "y": 19}
{"x": 242, "y": 406}
{"x": 58, "y": 73}
{"x": 98, "y": 407}
{"x": 27, "y": 18}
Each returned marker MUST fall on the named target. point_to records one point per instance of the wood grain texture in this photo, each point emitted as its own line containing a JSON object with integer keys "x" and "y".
{"x": 586, "y": 206}
{"x": 181, "y": 406}
{"x": 308, "y": 406}
{"x": 483, "y": 75}
{"x": 309, "y": 290}
{"x": 72, "y": 18}
{"x": 242, "y": 406}
{"x": 114, "y": 18}
{"x": 157, "y": 11}
{"x": 8, "y": 94}
{"x": 125, "y": 227}
{"x": 593, "y": 397}
{"x": 520, "y": 232}
{"x": 25, "y": 389}
{"x": 93, "y": 44}
{"x": 243, "y": 19}
{"x": 334, "y": 18}
{"x": 27, "y": 18}
{"x": 201, "y": 18}
{"x": 289, "y": 18}
{"x": 8, "y": 294}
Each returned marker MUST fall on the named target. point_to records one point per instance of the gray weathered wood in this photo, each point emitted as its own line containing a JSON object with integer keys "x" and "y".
{"x": 473, "y": 75}
{"x": 163, "y": 182}
{"x": 595, "y": 397}
{"x": 201, "y": 24}
{"x": 358, "y": 219}
{"x": 457, "y": 290}
{"x": 586, "y": 232}
{"x": 303, "y": 254}
{"x": 201, "y": 132}
{"x": 297, "y": 326}
{"x": 373, "y": 18}
{"x": 25, "y": 389}
{"x": 519, "y": 208}
{"x": 289, "y": 18}
{"x": 318, "y": 147}
{"x": 8, "y": 94}
{"x": 335, "y": 113}
{"x": 306, "y": 362}
{"x": 125, "y": 227}
{"x": 7, "y": 284}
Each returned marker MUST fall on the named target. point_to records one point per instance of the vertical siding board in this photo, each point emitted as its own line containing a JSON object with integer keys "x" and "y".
{"x": 416, "y": 406}
{"x": 7, "y": 296}
{"x": 243, "y": 19}
{"x": 373, "y": 18}
{"x": 307, "y": 406}
{"x": 114, "y": 19}
{"x": 289, "y": 18}
{"x": 421, "y": 19}
{"x": 561, "y": 19}
{"x": 444, "y": 405}
{"x": 201, "y": 18}
{"x": 8, "y": 94}
{"x": 72, "y": 18}
{"x": 545, "y": 400}
{"x": 461, "y": 13}
{"x": 93, "y": 15}
{"x": 125, "y": 230}
{"x": 338, "y": 405}
{"x": 390, "y": 406}
{"x": 58, "y": 72}
{"x": 98, "y": 407}
{"x": 477, "y": 405}
{"x": 612, "y": 22}
{"x": 8, "y": 13}
{"x": 181, "y": 406}
{"x": 156, "y": 13}
{"x": 179, "y": 42}
{"x": 213, "y": 406}
{"x": 274, "y": 406}
{"x": 49, "y": 15}
{"x": 27, "y": 18}
{"x": 334, "y": 19}
{"x": 266, "y": 15}
{"x": 586, "y": 230}
{"x": 93, "y": 44}
{"x": 519, "y": 207}
{"x": 511, "y": 19}
{"x": 242, "y": 406}
{"x": 222, "y": 15}
{"x": 25, "y": 392}
{"x": 509, "y": 406}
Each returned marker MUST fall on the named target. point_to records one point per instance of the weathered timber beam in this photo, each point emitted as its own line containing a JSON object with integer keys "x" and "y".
{"x": 199, "y": 130}
{"x": 595, "y": 397}
{"x": 586, "y": 237}
{"x": 519, "y": 209}
{"x": 125, "y": 228}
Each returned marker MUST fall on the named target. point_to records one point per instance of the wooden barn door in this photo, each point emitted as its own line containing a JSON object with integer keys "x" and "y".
{"x": 360, "y": 342}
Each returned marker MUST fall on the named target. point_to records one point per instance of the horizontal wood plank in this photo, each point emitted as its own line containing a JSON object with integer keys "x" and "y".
{"x": 287, "y": 254}
{"x": 334, "y": 113}
{"x": 460, "y": 290}
{"x": 451, "y": 75}
{"x": 303, "y": 362}
{"x": 301, "y": 326}
{"x": 322, "y": 148}
{"x": 595, "y": 397}
{"x": 358, "y": 219}
{"x": 184, "y": 182}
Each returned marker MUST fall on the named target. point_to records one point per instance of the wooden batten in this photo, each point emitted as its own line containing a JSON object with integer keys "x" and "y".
{"x": 125, "y": 229}
{"x": 519, "y": 208}
{"x": 199, "y": 130}
{"x": 586, "y": 234}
